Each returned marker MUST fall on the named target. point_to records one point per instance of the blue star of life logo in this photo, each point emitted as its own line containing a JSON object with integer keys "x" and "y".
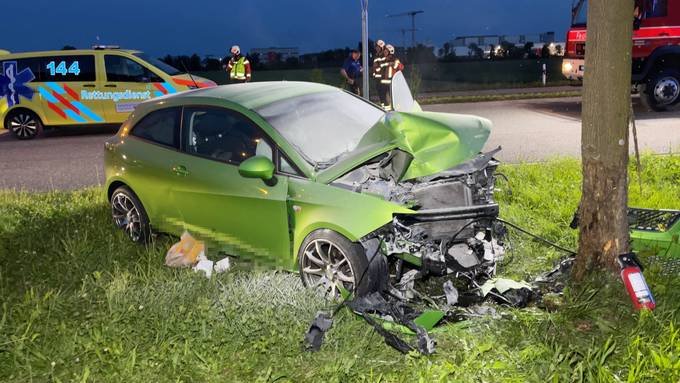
{"x": 13, "y": 84}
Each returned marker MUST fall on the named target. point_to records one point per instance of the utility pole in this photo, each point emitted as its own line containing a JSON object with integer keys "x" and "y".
{"x": 364, "y": 46}
{"x": 413, "y": 29}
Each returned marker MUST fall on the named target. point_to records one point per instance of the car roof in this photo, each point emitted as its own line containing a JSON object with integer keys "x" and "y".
{"x": 259, "y": 94}
{"x": 66, "y": 52}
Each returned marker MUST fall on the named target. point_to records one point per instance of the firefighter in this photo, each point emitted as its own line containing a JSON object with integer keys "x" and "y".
{"x": 391, "y": 65}
{"x": 378, "y": 59}
{"x": 238, "y": 67}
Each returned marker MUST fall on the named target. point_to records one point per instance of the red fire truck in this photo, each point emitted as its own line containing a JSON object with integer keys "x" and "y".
{"x": 656, "y": 50}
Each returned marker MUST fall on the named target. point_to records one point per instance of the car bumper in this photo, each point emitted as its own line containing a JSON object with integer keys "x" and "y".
{"x": 573, "y": 68}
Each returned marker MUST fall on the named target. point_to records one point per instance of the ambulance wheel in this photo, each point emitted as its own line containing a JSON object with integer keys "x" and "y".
{"x": 129, "y": 215}
{"x": 661, "y": 91}
{"x": 23, "y": 124}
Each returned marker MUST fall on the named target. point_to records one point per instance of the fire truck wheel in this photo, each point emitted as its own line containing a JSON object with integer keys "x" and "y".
{"x": 661, "y": 91}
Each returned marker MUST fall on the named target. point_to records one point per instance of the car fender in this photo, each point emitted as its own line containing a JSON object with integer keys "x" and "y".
{"x": 314, "y": 206}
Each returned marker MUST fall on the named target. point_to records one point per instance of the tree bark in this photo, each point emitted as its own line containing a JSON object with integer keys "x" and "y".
{"x": 603, "y": 226}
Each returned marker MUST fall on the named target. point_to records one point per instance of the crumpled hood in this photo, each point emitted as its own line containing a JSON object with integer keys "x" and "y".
{"x": 436, "y": 142}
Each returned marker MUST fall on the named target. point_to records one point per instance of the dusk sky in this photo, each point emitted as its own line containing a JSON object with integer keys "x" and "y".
{"x": 212, "y": 26}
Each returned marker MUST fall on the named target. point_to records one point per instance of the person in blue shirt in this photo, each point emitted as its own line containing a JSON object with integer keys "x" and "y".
{"x": 351, "y": 71}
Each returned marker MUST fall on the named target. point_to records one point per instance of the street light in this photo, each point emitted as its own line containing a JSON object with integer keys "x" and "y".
{"x": 364, "y": 46}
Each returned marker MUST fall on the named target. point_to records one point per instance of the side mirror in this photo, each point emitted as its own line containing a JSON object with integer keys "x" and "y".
{"x": 258, "y": 167}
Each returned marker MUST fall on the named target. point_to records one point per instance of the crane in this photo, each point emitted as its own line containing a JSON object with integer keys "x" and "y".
{"x": 413, "y": 29}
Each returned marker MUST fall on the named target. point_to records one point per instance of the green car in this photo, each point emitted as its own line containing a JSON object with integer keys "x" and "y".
{"x": 309, "y": 177}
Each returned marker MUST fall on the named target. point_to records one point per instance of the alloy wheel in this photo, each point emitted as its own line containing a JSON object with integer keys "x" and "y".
{"x": 325, "y": 265}
{"x": 126, "y": 216}
{"x": 666, "y": 90}
{"x": 23, "y": 125}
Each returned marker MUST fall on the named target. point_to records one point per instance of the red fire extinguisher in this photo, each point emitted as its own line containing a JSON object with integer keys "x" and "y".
{"x": 638, "y": 289}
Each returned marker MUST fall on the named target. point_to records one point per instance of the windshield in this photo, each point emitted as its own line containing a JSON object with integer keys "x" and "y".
{"x": 580, "y": 13}
{"x": 168, "y": 69}
{"x": 322, "y": 126}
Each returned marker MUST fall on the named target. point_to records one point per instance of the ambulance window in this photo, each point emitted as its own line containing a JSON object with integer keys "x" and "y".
{"x": 34, "y": 64}
{"x": 122, "y": 69}
{"x": 161, "y": 127}
{"x": 68, "y": 68}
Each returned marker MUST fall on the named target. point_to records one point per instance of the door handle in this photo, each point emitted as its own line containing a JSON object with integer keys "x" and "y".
{"x": 110, "y": 85}
{"x": 88, "y": 85}
{"x": 180, "y": 170}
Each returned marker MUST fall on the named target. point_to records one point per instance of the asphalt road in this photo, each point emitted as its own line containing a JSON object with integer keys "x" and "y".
{"x": 528, "y": 130}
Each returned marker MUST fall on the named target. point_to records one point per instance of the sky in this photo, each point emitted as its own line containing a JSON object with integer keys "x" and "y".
{"x": 211, "y": 27}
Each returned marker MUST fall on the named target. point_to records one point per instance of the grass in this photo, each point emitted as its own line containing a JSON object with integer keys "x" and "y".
{"x": 80, "y": 303}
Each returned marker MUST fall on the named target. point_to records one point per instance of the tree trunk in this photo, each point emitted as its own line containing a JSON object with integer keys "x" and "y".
{"x": 603, "y": 224}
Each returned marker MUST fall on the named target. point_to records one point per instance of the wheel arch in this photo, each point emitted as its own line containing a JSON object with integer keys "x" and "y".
{"x": 662, "y": 57}
{"x": 115, "y": 184}
{"x": 20, "y": 107}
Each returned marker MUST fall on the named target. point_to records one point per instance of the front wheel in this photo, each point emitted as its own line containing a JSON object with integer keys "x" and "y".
{"x": 661, "y": 91}
{"x": 329, "y": 261}
{"x": 23, "y": 124}
{"x": 129, "y": 215}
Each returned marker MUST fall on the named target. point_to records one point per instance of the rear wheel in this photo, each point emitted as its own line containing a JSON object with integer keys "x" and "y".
{"x": 23, "y": 124}
{"x": 662, "y": 90}
{"x": 329, "y": 261}
{"x": 129, "y": 215}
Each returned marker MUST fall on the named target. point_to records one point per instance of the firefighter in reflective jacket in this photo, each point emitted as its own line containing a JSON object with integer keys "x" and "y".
{"x": 238, "y": 67}
{"x": 378, "y": 59}
{"x": 390, "y": 66}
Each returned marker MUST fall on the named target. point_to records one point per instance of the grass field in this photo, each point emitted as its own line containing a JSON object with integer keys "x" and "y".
{"x": 80, "y": 303}
{"x": 439, "y": 77}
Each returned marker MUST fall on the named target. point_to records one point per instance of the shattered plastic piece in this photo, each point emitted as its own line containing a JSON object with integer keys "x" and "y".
{"x": 451, "y": 294}
{"x": 314, "y": 337}
{"x": 222, "y": 265}
{"x": 206, "y": 266}
{"x": 517, "y": 294}
{"x": 378, "y": 304}
{"x": 187, "y": 252}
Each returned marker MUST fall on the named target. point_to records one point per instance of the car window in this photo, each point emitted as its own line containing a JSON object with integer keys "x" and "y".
{"x": 286, "y": 167}
{"x": 161, "y": 126}
{"x": 222, "y": 135}
{"x": 119, "y": 68}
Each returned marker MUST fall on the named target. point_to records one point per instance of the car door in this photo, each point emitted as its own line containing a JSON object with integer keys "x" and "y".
{"x": 244, "y": 216}
{"x": 128, "y": 82}
{"x": 146, "y": 165}
{"x": 65, "y": 89}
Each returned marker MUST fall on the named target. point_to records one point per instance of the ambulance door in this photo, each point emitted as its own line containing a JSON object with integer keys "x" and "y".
{"x": 129, "y": 82}
{"x": 64, "y": 87}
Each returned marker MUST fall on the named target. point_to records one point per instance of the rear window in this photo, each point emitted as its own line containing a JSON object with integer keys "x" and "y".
{"x": 160, "y": 127}
{"x": 67, "y": 68}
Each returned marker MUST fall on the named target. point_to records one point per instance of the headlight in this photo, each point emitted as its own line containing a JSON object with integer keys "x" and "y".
{"x": 567, "y": 67}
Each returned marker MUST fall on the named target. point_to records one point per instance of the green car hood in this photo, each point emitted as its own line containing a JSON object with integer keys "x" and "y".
{"x": 436, "y": 141}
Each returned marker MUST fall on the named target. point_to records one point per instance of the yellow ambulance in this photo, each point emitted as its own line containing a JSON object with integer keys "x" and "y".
{"x": 98, "y": 86}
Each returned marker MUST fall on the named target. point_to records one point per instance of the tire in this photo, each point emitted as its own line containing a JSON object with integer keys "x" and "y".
{"x": 129, "y": 215}
{"x": 23, "y": 124}
{"x": 353, "y": 274}
{"x": 661, "y": 91}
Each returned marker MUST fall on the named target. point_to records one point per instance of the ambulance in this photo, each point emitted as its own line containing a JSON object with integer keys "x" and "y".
{"x": 98, "y": 86}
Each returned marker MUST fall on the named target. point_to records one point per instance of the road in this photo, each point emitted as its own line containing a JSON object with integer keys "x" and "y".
{"x": 528, "y": 130}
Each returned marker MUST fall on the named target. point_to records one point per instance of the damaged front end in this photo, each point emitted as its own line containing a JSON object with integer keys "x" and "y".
{"x": 451, "y": 227}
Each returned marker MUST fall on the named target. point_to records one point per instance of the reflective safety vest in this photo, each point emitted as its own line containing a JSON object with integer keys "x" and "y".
{"x": 390, "y": 66}
{"x": 377, "y": 67}
{"x": 239, "y": 69}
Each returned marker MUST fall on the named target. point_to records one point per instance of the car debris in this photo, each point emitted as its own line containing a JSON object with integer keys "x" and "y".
{"x": 223, "y": 265}
{"x": 314, "y": 336}
{"x": 205, "y": 266}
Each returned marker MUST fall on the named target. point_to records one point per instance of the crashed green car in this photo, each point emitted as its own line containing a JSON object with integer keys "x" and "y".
{"x": 309, "y": 177}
